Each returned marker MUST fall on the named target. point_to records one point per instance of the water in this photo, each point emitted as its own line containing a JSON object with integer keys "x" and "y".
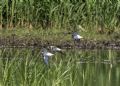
{"x": 99, "y": 75}
{"x": 71, "y": 68}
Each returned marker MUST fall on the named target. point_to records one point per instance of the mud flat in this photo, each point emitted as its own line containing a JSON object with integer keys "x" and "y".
{"x": 38, "y": 42}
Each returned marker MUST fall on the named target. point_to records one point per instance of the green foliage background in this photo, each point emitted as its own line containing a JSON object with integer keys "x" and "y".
{"x": 60, "y": 13}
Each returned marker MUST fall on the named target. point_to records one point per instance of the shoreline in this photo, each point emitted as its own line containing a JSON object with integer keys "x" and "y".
{"x": 39, "y": 43}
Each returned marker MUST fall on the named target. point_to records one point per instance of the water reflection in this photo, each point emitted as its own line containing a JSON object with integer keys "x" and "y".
{"x": 78, "y": 67}
{"x": 99, "y": 74}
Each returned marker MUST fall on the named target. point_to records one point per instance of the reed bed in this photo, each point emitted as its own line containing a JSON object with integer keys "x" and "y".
{"x": 20, "y": 67}
{"x": 73, "y": 68}
{"x": 92, "y": 14}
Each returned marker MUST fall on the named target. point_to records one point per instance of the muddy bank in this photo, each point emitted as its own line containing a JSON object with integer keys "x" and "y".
{"x": 15, "y": 41}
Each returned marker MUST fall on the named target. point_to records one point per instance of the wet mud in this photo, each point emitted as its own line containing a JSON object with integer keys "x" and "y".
{"x": 15, "y": 41}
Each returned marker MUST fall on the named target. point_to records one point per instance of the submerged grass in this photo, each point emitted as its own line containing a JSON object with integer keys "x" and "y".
{"x": 20, "y": 67}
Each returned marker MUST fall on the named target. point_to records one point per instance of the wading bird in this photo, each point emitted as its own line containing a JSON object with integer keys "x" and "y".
{"x": 46, "y": 55}
{"x": 55, "y": 49}
{"x": 76, "y": 37}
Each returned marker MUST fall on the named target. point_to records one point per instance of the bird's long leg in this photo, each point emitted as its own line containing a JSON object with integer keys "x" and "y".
{"x": 74, "y": 44}
{"x": 78, "y": 43}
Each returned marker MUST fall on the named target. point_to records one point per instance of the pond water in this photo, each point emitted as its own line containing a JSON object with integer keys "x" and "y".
{"x": 72, "y": 67}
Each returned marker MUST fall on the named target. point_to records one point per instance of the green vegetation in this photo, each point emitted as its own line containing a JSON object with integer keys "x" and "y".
{"x": 19, "y": 67}
{"x": 56, "y": 35}
{"x": 46, "y": 18}
{"x": 52, "y": 20}
{"x": 96, "y": 15}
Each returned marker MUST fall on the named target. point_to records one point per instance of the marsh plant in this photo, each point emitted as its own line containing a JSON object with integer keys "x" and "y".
{"x": 83, "y": 67}
{"x": 60, "y": 14}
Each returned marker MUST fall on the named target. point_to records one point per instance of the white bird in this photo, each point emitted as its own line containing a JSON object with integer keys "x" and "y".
{"x": 46, "y": 55}
{"x": 55, "y": 49}
{"x": 76, "y": 36}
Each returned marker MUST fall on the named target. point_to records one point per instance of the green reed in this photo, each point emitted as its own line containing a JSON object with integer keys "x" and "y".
{"x": 60, "y": 14}
{"x": 20, "y": 67}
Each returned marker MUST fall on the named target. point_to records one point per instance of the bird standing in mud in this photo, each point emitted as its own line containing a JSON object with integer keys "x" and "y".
{"x": 76, "y": 37}
{"x": 46, "y": 55}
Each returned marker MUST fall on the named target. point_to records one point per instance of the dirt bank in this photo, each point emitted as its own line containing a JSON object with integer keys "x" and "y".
{"x": 38, "y": 42}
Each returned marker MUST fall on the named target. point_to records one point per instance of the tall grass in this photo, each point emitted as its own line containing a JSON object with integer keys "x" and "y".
{"x": 60, "y": 14}
{"x": 20, "y": 67}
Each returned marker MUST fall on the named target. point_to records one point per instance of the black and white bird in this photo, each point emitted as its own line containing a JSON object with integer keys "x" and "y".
{"x": 46, "y": 56}
{"x": 55, "y": 49}
{"x": 76, "y": 37}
